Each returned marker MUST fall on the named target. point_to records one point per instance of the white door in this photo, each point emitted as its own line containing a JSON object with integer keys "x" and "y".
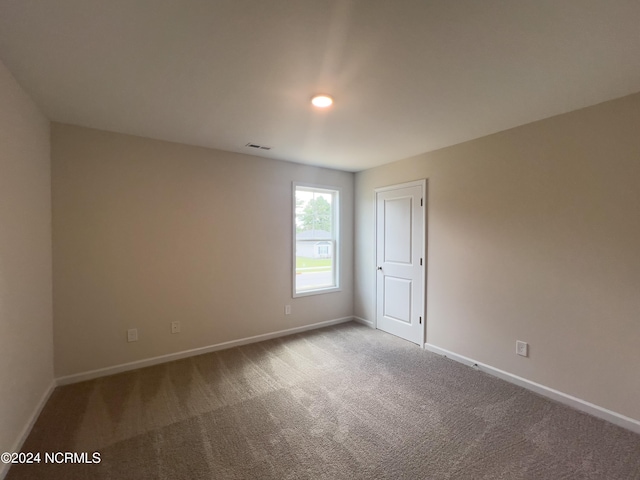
{"x": 401, "y": 260}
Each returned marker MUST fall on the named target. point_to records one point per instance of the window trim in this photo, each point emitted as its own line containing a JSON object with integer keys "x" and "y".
{"x": 335, "y": 240}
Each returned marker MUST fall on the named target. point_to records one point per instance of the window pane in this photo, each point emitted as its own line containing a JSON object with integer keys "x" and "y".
{"x": 315, "y": 243}
{"x": 314, "y": 213}
{"x": 314, "y": 266}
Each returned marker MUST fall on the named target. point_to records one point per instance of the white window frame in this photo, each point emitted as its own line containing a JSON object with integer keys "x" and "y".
{"x": 335, "y": 239}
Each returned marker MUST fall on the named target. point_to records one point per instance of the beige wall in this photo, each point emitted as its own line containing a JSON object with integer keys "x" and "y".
{"x": 26, "y": 347}
{"x": 146, "y": 232}
{"x": 534, "y": 234}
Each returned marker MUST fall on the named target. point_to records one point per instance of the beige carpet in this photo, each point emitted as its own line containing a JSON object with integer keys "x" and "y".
{"x": 344, "y": 402}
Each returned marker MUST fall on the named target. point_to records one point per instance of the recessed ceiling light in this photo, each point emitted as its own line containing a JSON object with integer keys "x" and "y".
{"x": 322, "y": 101}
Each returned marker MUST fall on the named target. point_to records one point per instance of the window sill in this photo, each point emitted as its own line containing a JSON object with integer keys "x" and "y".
{"x": 320, "y": 291}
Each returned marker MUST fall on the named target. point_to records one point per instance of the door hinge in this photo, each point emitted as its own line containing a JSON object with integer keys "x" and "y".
{"x": 421, "y": 203}
{"x": 420, "y": 320}
{"x": 420, "y": 261}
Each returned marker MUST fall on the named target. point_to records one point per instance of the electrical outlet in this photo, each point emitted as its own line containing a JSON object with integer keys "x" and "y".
{"x": 287, "y": 309}
{"x": 522, "y": 348}
{"x": 175, "y": 327}
{"x": 132, "y": 335}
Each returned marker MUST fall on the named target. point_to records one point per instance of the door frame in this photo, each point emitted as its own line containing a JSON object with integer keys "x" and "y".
{"x": 424, "y": 184}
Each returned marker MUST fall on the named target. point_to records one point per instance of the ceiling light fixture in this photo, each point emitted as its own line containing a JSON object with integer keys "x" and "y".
{"x": 322, "y": 101}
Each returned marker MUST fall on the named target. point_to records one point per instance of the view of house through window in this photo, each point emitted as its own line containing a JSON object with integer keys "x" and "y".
{"x": 316, "y": 239}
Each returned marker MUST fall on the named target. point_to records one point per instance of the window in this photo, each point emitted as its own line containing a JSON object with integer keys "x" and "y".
{"x": 316, "y": 240}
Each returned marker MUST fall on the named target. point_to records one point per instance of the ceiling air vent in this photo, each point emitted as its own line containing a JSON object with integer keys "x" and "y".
{"x": 257, "y": 147}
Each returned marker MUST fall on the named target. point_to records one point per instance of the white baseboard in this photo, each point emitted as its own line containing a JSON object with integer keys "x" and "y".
{"x": 368, "y": 323}
{"x": 26, "y": 430}
{"x": 577, "y": 403}
{"x": 124, "y": 367}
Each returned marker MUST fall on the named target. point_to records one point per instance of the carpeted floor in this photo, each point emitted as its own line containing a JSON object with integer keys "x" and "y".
{"x": 344, "y": 402}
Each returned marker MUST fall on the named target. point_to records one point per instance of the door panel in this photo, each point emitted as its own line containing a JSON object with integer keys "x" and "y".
{"x": 397, "y": 299}
{"x": 397, "y": 229}
{"x": 399, "y": 253}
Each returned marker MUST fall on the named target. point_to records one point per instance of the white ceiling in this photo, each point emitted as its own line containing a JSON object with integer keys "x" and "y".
{"x": 407, "y": 76}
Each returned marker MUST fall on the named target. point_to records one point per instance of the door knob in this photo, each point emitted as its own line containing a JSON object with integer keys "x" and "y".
{"x": 379, "y": 268}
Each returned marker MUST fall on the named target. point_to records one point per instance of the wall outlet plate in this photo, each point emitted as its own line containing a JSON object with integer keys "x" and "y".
{"x": 175, "y": 327}
{"x": 522, "y": 348}
{"x": 132, "y": 335}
